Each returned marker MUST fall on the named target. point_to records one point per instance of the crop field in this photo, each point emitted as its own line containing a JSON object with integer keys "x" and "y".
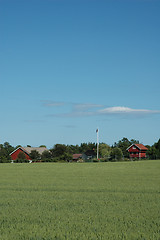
{"x": 95, "y": 201}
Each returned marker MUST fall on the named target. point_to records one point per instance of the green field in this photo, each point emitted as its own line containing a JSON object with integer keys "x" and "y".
{"x": 46, "y": 201}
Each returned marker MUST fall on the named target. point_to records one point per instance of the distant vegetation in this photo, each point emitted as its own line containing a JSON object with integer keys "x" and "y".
{"x": 62, "y": 152}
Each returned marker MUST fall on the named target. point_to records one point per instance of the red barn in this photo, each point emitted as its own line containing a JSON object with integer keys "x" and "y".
{"x": 137, "y": 151}
{"x": 26, "y": 151}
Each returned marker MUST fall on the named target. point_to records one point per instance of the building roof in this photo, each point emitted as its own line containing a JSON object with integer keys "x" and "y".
{"x": 40, "y": 150}
{"x": 139, "y": 146}
{"x": 28, "y": 150}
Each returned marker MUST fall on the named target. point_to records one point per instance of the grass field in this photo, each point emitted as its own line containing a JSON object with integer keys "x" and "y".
{"x": 46, "y": 201}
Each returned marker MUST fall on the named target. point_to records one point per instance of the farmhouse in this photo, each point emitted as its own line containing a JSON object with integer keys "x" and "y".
{"x": 88, "y": 155}
{"x": 77, "y": 157}
{"x": 26, "y": 150}
{"x": 137, "y": 151}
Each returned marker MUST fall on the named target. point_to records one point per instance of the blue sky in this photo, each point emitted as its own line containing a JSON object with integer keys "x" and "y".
{"x": 70, "y": 66}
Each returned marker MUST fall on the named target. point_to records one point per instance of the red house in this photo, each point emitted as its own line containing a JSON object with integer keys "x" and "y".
{"x": 26, "y": 151}
{"x": 137, "y": 151}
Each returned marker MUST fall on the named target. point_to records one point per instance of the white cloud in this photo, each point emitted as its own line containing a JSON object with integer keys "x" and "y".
{"x": 89, "y": 109}
{"x": 126, "y": 110}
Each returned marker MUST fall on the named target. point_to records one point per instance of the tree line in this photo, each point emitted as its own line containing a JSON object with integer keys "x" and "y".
{"x": 62, "y": 152}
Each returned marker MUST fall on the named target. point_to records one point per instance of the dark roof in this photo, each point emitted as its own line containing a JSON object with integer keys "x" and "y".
{"x": 77, "y": 156}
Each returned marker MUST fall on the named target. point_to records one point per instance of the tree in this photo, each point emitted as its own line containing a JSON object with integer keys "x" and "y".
{"x": 5, "y": 150}
{"x": 46, "y": 155}
{"x": 151, "y": 152}
{"x": 133, "y": 141}
{"x": 58, "y": 150}
{"x": 2, "y": 152}
{"x": 43, "y": 146}
{"x": 35, "y": 154}
{"x": 66, "y": 157}
{"x": 18, "y": 146}
{"x": 73, "y": 149}
{"x": 8, "y": 148}
{"x": 87, "y": 146}
{"x": 116, "y": 154}
{"x": 156, "y": 149}
{"x": 104, "y": 150}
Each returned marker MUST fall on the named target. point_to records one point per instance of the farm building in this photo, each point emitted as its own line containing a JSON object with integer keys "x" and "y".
{"x": 26, "y": 150}
{"x": 77, "y": 157}
{"x": 137, "y": 151}
{"x": 87, "y": 156}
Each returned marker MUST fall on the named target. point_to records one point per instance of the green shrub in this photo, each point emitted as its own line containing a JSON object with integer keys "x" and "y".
{"x": 18, "y": 160}
{"x": 95, "y": 160}
{"x": 4, "y": 160}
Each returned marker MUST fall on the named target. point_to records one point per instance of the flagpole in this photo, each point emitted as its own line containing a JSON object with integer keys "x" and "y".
{"x": 97, "y": 143}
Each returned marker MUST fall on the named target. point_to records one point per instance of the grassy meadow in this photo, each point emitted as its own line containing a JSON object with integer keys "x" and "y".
{"x": 95, "y": 201}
